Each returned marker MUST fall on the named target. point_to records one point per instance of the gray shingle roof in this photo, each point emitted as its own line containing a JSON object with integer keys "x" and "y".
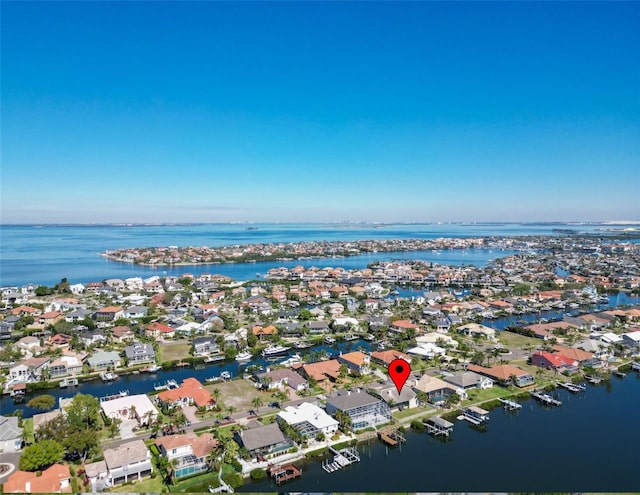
{"x": 263, "y": 436}
{"x": 345, "y": 401}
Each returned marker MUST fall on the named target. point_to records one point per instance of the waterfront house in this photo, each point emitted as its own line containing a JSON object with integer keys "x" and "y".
{"x": 138, "y": 353}
{"x": 632, "y": 339}
{"x": 309, "y": 420}
{"x": 204, "y": 346}
{"x": 504, "y": 374}
{"x": 427, "y": 350}
{"x": 357, "y": 362}
{"x": 29, "y": 369}
{"x": 574, "y": 353}
{"x": 599, "y": 349}
{"x": 109, "y": 313}
{"x": 363, "y": 409}
{"x": 466, "y": 380}
{"x": 130, "y": 461}
{"x": 189, "y": 451}
{"x": 102, "y": 360}
{"x": 10, "y": 434}
{"x": 437, "y": 390}
{"x": 553, "y": 361}
{"x": 191, "y": 391}
{"x": 67, "y": 364}
{"x": 54, "y": 479}
{"x": 407, "y": 398}
{"x": 131, "y": 407}
{"x": 264, "y": 441}
{"x": 281, "y": 378}
{"x": 265, "y": 333}
{"x": 318, "y": 327}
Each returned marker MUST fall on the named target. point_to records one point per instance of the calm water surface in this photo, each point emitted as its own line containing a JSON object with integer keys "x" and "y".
{"x": 587, "y": 444}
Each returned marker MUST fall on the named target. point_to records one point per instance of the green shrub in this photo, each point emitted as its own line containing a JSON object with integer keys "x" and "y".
{"x": 418, "y": 425}
{"x": 234, "y": 480}
{"x": 258, "y": 474}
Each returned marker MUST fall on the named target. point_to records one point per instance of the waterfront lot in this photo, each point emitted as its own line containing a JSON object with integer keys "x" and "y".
{"x": 239, "y": 394}
{"x": 174, "y": 351}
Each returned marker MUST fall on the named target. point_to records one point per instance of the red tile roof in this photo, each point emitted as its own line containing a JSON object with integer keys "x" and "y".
{"x": 48, "y": 482}
{"x": 190, "y": 389}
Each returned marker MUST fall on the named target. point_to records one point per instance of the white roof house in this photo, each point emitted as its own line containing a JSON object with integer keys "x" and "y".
{"x": 309, "y": 419}
{"x": 427, "y": 350}
{"x": 611, "y": 338}
{"x": 138, "y": 407}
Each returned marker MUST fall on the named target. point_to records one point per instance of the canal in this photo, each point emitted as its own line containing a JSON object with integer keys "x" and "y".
{"x": 584, "y": 445}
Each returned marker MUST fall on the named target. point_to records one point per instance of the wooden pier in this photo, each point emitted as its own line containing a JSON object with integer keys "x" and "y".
{"x": 572, "y": 387}
{"x": 546, "y": 399}
{"x": 341, "y": 459}
{"x": 284, "y": 473}
{"x": 510, "y": 405}
{"x": 391, "y": 437}
{"x": 619, "y": 373}
{"x": 438, "y": 426}
{"x": 593, "y": 379}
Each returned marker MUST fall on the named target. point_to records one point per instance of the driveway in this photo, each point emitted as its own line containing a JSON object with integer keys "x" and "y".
{"x": 126, "y": 428}
{"x": 12, "y": 459}
{"x": 190, "y": 414}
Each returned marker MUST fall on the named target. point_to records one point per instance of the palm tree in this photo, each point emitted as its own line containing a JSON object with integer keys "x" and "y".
{"x": 231, "y": 410}
{"x": 257, "y": 403}
{"x": 216, "y": 394}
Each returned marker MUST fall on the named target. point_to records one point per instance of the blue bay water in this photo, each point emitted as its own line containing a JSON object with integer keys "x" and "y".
{"x": 44, "y": 254}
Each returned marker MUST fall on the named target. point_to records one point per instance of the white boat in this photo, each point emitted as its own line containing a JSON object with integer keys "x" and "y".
{"x": 275, "y": 350}
{"x": 154, "y": 368}
{"x": 69, "y": 382}
{"x": 213, "y": 359}
{"x": 244, "y": 356}
{"x": 303, "y": 345}
{"x": 329, "y": 340}
{"x": 295, "y": 359}
{"x": 225, "y": 375}
{"x": 212, "y": 379}
{"x": 108, "y": 376}
{"x": 350, "y": 337}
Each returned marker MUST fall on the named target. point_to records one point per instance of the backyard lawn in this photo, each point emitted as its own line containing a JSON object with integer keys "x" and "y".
{"x": 517, "y": 341}
{"x": 239, "y": 394}
{"x": 150, "y": 485}
{"x": 171, "y": 351}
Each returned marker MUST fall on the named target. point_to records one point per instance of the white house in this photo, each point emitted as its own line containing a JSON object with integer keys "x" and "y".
{"x": 309, "y": 420}
{"x": 427, "y": 350}
{"x": 138, "y": 407}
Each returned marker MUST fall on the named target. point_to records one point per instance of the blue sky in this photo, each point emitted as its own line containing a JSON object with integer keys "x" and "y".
{"x": 324, "y": 111}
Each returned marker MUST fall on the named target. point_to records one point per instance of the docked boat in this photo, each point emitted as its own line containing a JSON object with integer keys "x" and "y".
{"x": 275, "y": 350}
{"x": 108, "y": 376}
{"x": 212, "y": 379}
{"x": 350, "y": 337}
{"x": 68, "y": 382}
{"x": 303, "y": 345}
{"x": 154, "y": 368}
{"x": 368, "y": 337}
{"x": 329, "y": 340}
{"x": 213, "y": 359}
{"x": 293, "y": 360}
{"x": 244, "y": 356}
{"x": 225, "y": 375}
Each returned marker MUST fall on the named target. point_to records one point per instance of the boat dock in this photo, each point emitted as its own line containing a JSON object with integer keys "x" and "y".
{"x": 341, "y": 459}
{"x": 168, "y": 385}
{"x": 438, "y": 426}
{"x": 474, "y": 415}
{"x": 284, "y": 473}
{"x": 635, "y": 366}
{"x": 572, "y": 387}
{"x": 546, "y": 399}
{"x": 68, "y": 382}
{"x": 123, "y": 393}
{"x": 391, "y": 437}
{"x": 510, "y": 405}
{"x": 619, "y": 373}
{"x": 593, "y": 379}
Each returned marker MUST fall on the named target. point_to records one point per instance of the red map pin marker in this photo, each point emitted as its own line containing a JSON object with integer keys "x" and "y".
{"x": 399, "y": 371}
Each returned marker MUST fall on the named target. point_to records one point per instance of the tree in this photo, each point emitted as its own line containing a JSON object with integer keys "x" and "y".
{"x": 79, "y": 444}
{"x": 54, "y": 429}
{"x": 41, "y": 455}
{"x": 344, "y": 420}
{"x": 257, "y": 403}
{"x": 83, "y": 412}
{"x": 343, "y": 371}
{"x": 42, "y": 402}
{"x": 43, "y": 290}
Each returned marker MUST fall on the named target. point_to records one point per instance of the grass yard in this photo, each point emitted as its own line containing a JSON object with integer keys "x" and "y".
{"x": 28, "y": 431}
{"x": 411, "y": 412}
{"x": 150, "y": 485}
{"x": 239, "y": 394}
{"x": 517, "y": 341}
{"x": 171, "y": 351}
